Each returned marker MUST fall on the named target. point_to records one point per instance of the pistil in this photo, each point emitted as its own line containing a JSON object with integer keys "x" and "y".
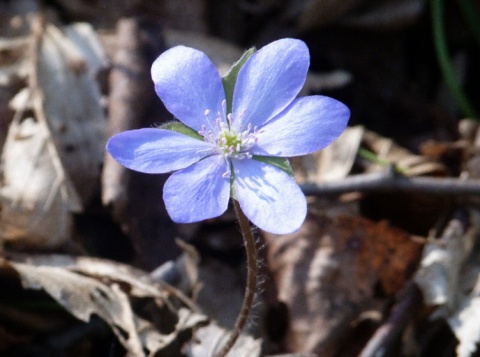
{"x": 226, "y": 141}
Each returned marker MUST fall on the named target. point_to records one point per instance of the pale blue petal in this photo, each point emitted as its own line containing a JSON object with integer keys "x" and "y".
{"x": 269, "y": 81}
{"x": 198, "y": 192}
{"x": 188, "y": 83}
{"x": 268, "y": 196}
{"x": 156, "y": 151}
{"x": 307, "y": 125}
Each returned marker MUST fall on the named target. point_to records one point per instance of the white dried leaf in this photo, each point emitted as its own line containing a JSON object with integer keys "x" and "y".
{"x": 21, "y": 101}
{"x": 465, "y": 324}
{"x": 439, "y": 270}
{"x": 34, "y": 211}
{"x": 154, "y": 341}
{"x": 68, "y": 62}
{"x": 51, "y": 161}
{"x": 210, "y": 339}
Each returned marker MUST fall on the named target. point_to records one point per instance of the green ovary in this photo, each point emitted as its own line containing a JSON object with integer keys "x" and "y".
{"x": 229, "y": 142}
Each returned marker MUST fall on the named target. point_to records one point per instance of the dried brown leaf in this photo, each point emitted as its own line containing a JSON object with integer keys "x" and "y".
{"x": 85, "y": 286}
{"x": 329, "y": 271}
{"x": 389, "y": 151}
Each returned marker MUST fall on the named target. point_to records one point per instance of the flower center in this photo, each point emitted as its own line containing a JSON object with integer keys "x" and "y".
{"x": 227, "y": 141}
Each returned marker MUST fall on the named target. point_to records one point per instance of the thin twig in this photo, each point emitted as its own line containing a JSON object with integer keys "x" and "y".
{"x": 385, "y": 337}
{"x": 385, "y": 182}
{"x": 251, "y": 251}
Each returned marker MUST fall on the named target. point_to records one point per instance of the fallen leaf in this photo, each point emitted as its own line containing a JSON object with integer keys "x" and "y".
{"x": 54, "y": 148}
{"x": 210, "y": 339}
{"x": 438, "y": 274}
{"x": 464, "y": 323}
{"x": 86, "y": 287}
{"x": 330, "y": 271}
{"x": 410, "y": 164}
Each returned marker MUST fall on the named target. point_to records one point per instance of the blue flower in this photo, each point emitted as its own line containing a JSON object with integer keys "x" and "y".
{"x": 266, "y": 120}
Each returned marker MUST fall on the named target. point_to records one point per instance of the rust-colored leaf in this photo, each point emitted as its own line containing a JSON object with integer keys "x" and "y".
{"x": 331, "y": 270}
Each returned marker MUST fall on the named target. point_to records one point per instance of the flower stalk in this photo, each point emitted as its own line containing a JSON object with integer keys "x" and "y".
{"x": 251, "y": 252}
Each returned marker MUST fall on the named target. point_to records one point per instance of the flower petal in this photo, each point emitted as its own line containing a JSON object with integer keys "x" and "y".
{"x": 188, "y": 83}
{"x": 268, "y": 196}
{"x": 156, "y": 151}
{"x": 199, "y": 192}
{"x": 307, "y": 125}
{"x": 269, "y": 81}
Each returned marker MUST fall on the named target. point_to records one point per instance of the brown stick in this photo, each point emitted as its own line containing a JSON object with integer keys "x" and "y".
{"x": 377, "y": 182}
{"x": 388, "y": 333}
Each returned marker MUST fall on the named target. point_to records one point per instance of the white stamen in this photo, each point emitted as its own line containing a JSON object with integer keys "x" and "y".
{"x": 225, "y": 140}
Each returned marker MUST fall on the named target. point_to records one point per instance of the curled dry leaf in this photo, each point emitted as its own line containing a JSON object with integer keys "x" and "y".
{"x": 410, "y": 164}
{"x": 12, "y": 78}
{"x": 328, "y": 274}
{"x": 200, "y": 277}
{"x": 208, "y": 340}
{"x": 35, "y": 210}
{"x": 336, "y": 160}
{"x": 68, "y": 62}
{"x": 51, "y": 159}
{"x": 449, "y": 280}
{"x": 85, "y": 286}
{"x": 464, "y": 323}
{"x": 438, "y": 275}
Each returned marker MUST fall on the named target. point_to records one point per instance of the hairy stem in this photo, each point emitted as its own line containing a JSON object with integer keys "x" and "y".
{"x": 251, "y": 280}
